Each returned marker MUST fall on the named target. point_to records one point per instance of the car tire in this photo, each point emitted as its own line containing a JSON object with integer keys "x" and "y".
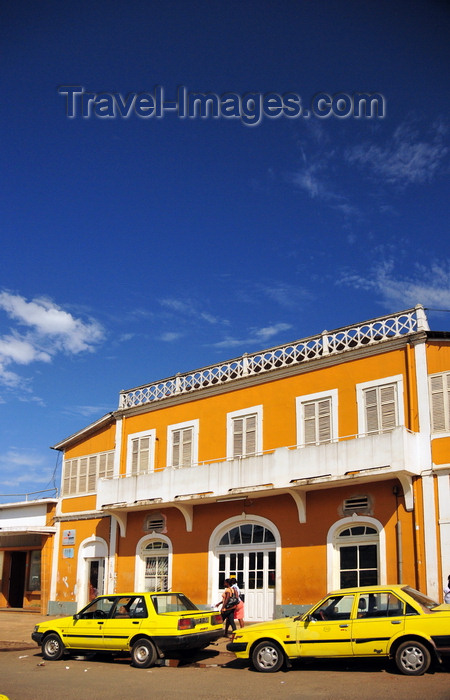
{"x": 143, "y": 653}
{"x": 267, "y": 657}
{"x": 412, "y": 658}
{"x": 52, "y": 647}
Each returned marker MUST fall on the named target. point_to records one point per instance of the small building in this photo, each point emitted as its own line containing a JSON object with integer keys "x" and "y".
{"x": 26, "y": 552}
{"x": 313, "y": 465}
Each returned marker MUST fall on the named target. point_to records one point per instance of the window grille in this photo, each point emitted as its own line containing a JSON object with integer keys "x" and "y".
{"x": 358, "y": 503}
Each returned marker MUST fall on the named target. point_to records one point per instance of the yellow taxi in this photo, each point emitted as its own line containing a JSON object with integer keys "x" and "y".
{"x": 143, "y": 625}
{"x": 395, "y": 622}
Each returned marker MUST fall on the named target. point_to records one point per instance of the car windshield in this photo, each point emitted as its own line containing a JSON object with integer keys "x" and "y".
{"x": 427, "y": 604}
{"x": 172, "y": 602}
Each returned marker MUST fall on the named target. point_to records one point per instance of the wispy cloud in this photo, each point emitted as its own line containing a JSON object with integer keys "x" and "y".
{"x": 259, "y": 336}
{"x": 39, "y": 329}
{"x": 188, "y": 308}
{"x": 429, "y": 286}
{"x": 406, "y": 158}
{"x": 24, "y": 466}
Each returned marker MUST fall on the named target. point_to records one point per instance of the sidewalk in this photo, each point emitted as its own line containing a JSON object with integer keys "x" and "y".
{"x": 16, "y": 628}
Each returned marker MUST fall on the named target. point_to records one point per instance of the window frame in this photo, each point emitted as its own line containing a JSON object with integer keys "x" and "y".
{"x": 245, "y": 413}
{"x": 316, "y": 397}
{"x": 396, "y": 380}
{"x": 151, "y": 434}
{"x": 445, "y": 432}
{"x": 171, "y": 429}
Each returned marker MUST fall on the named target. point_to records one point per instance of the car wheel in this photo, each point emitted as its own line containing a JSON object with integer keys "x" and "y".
{"x": 52, "y": 647}
{"x": 412, "y": 658}
{"x": 143, "y": 653}
{"x": 267, "y": 657}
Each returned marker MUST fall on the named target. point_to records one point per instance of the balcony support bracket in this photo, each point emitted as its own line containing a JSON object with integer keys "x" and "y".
{"x": 408, "y": 493}
{"x": 188, "y": 513}
{"x": 300, "y": 501}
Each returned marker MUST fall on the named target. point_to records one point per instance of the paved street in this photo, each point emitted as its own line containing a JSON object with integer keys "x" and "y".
{"x": 213, "y": 673}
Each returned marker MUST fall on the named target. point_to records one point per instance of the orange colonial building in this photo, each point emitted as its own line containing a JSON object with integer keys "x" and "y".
{"x": 306, "y": 467}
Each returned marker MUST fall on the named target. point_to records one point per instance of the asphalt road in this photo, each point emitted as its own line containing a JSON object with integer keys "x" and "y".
{"x": 24, "y": 675}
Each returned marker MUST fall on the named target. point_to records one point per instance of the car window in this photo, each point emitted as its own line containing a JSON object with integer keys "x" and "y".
{"x": 334, "y": 608}
{"x": 130, "y": 607}
{"x": 426, "y": 603}
{"x": 99, "y": 608}
{"x": 172, "y": 602}
{"x": 385, "y": 604}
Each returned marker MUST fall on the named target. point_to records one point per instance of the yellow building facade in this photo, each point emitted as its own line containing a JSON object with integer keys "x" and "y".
{"x": 306, "y": 467}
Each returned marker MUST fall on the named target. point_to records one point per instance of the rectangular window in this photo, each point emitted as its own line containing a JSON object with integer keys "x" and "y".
{"x": 317, "y": 418}
{"x": 244, "y": 433}
{"x": 182, "y": 444}
{"x": 140, "y": 452}
{"x": 380, "y": 405}
{"x": 34, "y": 576}
{"x": 440, "y": 402}
{"x": 81, "y": 474}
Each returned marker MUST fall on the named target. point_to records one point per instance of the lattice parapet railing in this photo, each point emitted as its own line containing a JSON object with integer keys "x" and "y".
{"x": 327, "y": 343}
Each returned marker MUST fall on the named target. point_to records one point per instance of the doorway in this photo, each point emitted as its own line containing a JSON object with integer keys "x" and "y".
{"x": 17, "y": 579}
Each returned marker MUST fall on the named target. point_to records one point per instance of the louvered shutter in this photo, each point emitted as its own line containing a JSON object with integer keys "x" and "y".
{"x": 439, "y": 394}
{"x": 176, "y": 448}
{"x": 140, "y": 455}
{"x": 309, "y": 423}
{"x": 82, "y": 478}
{"x": 250, "y": 435}
{"x": 238, "y": 437}
{"x": 66, "y": 480}
{"x": 324, "y": 420}
{"x": 92, "y": 473}
{"x": 186, "y": 453}
{"x": 371, "y": 405}
{"x": 388, "y": 408}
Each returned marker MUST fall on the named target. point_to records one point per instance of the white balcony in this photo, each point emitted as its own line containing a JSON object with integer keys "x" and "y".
{"x": 396, "y": 454}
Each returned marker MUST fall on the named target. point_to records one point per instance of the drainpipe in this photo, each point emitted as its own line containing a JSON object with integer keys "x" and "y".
{"x": 398, "y": 530}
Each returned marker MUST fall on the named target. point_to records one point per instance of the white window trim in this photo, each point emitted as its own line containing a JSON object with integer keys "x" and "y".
{"x": 139, "y": 568}
{"x": 360, "y": 389}
{"x": 317, "y": 396}
{"x": 435, "y": 433}
{"x": 241, "y": 414}
{"x": 194, "y": 424}
{"x": 333, "y": 565}
{"x": 133, "y": 436}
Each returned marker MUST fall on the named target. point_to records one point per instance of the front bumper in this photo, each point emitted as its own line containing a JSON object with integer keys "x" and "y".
{"x": 37, "y": 637}
{"x": 187, "y": 641}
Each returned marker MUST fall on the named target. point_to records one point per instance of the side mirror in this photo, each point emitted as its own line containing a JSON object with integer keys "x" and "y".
{"x": 76, "y": 616}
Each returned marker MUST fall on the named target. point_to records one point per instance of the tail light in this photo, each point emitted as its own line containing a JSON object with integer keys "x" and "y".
{"x": 216, "y": 620}
{"x": 186, "y": 623}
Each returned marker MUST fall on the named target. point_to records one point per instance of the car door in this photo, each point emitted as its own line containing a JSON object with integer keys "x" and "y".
{"x": 379, "y": 617}
{"x": 125, "y": 620}
{"x": 87, "y": 629}
{"x": 327, "y": 631}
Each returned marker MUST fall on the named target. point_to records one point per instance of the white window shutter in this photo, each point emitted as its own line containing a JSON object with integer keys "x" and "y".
{"x": 438, "y": 395}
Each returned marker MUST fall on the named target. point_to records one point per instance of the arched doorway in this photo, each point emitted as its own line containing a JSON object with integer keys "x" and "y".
{"x": 153, "y": 564}
{"x": 92, "y": 559}
{"x": 356, "y": 553}
{"x": 248, "y": 550}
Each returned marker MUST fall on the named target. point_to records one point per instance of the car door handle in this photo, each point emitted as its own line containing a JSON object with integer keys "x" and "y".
{"x": 135, "y": 622}
{"x": 343, "y": 626}
{"x": 396, "y": 622}
{"x": 100, "y": 623}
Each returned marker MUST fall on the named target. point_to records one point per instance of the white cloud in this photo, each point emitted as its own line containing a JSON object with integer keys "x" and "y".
{"x": 407, "y": 157}
{"x": 429, "y": 286}
{"x": 25, "y": 466}
{"x": 40, "y": 330}
{"x": 256, "y": 336}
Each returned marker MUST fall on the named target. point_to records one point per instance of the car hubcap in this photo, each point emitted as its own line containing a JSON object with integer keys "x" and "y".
{"x": 142, "y": 653}
{"x": 268, "y": 657}
{"x": 412, "y": 658}
{"x": 53, "y": 647}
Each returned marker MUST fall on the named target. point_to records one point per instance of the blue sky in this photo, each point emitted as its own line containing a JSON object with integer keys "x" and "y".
{"x": 135, "y": 248}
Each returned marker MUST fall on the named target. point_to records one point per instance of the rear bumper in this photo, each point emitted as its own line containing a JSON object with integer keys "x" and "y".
{"x": 187, "y": 641}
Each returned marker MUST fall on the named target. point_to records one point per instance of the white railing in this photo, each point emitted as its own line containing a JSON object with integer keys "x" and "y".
{"x": 396, "y": 451}
{"x": 315, "y": 347}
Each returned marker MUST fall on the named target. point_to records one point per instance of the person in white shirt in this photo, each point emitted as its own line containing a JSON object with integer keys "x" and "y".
{"x": 447, "y": 592}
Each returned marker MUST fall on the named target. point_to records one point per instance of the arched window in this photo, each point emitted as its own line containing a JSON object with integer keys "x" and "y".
{"x": 153, "y": 564}
{"x": 356, "y": 553}
{"x": 358, "y": 556}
